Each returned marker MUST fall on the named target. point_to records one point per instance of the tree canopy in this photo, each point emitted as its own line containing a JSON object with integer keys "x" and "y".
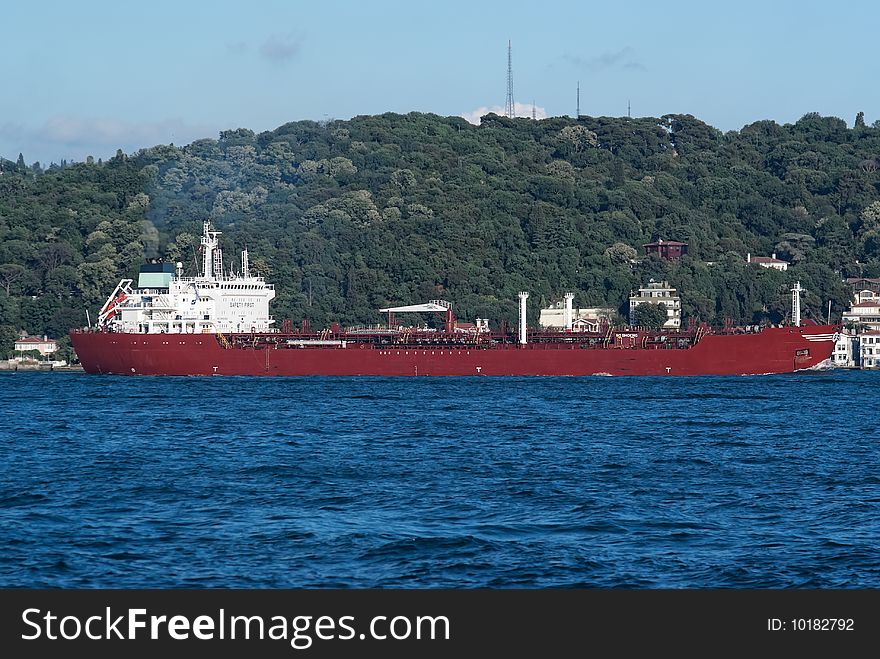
{"x": 346, "y": 217}
{"x": 650, "y": 315}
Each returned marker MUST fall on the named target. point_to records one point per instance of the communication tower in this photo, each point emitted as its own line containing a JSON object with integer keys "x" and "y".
{"x": 509, "y": 109}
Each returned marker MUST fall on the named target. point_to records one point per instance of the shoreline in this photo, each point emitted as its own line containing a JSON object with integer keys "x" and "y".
{"x": 48, "y": 368}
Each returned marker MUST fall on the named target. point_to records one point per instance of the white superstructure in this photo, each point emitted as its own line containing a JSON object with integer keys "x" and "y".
{"x": 166, "y": 301}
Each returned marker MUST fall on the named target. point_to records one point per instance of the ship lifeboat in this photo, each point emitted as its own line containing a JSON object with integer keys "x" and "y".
{"x": 112, "y": 307}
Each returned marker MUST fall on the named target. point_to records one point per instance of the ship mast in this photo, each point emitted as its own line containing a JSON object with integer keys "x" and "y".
{"x": 523, "y": 336}
{"x": 796, "y": 304}
{"x": 245, "y": 264}
{"x": 567, "y": 316}
{"x": 212, "y": 259}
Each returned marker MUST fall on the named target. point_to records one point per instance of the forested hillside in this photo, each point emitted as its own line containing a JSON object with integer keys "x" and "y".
{"x": 348, "y": 216}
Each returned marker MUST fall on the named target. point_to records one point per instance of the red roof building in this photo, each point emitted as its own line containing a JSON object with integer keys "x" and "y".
{"x": 865, "y": 289}
{"x": 768, "y": 262}
{"x": 44, "y": 346}
{"x": 667, "y": 249}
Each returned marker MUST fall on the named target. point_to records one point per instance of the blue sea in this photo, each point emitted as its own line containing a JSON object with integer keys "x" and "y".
{"x": 709, "y": 482}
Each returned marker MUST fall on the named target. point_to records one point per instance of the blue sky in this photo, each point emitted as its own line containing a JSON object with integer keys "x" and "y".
{"x": 88, "y": 77}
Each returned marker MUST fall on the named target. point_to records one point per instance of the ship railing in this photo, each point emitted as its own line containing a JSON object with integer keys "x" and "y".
{"x": 224, "y": 278}
{"x": 372, "y": 329}
{"x": 159, "y": 305}
{"x": 325, "y": 343}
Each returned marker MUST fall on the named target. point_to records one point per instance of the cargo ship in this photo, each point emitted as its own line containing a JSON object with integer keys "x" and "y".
{"x": 219, "y": 323}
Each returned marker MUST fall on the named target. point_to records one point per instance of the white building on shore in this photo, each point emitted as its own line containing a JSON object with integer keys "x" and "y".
{"x": 869, "y": 349}
{"x": 846, "y": 351}
{"x": 768, "y": 262}
{"x": 655, "y": 293}
{"x": 859, "y": 343}
{"x": 44, "y": 346}
{"x": 582, "y": 319}
{"x": 24, "y": 348}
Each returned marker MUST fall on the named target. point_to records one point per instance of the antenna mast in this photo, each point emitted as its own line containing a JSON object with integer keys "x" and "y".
{"x": 218, "y": 262}
{"x": 578, "y": 115}
{"x": 509, "y": 107}
{"x": 212, "y": 261}
{"x": 796, "y": 291}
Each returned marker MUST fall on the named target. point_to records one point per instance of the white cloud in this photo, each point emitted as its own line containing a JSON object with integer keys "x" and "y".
{"x": 73, "y": 137}
{"x": 73, "y": 130}
{"x": 280, "y": 47}
{"x": 276, "y": 48}
{"x": 10, "y": 130}
{"x": 519, "y": 110}
{"x": 624, "y": 58}
{"x": 237, "y": 47}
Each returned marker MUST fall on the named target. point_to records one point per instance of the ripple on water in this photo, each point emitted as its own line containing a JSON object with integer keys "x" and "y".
{"x": 439, "y": 482}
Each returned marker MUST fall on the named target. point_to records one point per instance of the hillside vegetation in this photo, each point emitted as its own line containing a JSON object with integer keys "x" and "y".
{"x": 348, "y": 216}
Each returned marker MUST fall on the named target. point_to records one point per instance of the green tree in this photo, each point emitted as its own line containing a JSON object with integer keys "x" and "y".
{"x": 11, "y": 275}
{"x": 650, "y": 315}
{"x": 618, "y": 179}
{"x": 8, "y": 337}
{"x": 349, "y": 216}
{"x": 621, "y": 253}
{"x": 96, "y": 280}
{"x": 37, "y": 313}
{"x": 9, "y": 310}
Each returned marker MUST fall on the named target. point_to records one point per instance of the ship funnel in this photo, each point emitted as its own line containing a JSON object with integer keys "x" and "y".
{"x": 567, "y": 316}
{"x": 523, "y": 296}
{"x": 796, "y": 304}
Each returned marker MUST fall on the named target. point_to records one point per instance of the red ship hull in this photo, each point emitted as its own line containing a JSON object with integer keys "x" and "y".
{"x": 772, "y": 350}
